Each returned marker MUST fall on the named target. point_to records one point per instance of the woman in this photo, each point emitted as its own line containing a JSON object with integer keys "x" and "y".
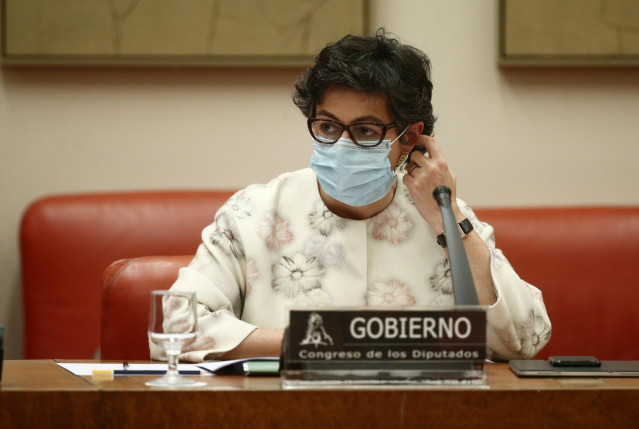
{"x": 360, "y": 226}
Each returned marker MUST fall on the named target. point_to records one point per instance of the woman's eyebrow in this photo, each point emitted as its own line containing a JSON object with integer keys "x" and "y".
{"x": 365, "y": 118}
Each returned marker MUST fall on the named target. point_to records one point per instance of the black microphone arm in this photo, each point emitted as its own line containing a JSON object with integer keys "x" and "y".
{"x": 463, "y": 284}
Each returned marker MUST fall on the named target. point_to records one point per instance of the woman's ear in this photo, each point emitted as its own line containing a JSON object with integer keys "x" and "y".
{"x": 411, "y": 136}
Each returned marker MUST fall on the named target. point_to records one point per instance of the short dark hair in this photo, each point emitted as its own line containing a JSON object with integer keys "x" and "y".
{"x": 372, "y": 64}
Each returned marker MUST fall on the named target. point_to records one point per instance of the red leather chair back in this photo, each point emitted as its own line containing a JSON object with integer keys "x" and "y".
{"x": 68, "y": 241}
{"x": 125, "y": 303}
{"x": 583, "y": 260}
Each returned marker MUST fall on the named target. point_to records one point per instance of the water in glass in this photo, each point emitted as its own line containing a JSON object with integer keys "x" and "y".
{"x": 173, "y": 325}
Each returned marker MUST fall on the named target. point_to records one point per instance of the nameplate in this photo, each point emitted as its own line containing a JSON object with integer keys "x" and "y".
{"x": 380, "y": 337}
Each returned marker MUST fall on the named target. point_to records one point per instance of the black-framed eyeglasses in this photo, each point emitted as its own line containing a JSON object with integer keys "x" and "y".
{"x": 367, "y": 134}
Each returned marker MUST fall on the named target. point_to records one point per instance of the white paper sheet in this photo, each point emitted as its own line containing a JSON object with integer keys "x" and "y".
{"x": 88, "y": 368}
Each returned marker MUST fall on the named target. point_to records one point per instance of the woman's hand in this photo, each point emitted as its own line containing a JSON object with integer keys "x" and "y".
{"x": 425, "y": 173}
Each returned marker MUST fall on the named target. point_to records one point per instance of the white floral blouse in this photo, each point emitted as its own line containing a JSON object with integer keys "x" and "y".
{"x": 276, "y": 245}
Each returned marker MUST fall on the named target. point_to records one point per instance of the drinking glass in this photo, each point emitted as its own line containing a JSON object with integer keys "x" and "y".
{"x": 173, "y": 325}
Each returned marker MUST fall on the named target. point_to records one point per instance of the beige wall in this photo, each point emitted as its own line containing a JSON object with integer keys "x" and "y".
{"x": 514, "y": 137}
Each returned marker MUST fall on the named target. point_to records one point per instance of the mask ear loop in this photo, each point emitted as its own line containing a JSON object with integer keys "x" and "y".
{"x": 404, "y": 155}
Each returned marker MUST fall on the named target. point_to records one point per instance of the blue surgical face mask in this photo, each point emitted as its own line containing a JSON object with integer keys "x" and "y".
{"x": 353, "y": 174}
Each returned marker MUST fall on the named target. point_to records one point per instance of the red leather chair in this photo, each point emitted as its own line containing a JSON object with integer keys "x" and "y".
{"x": 581, "y": 258}
{"x": 68, "y": 241}
{"x": 125, "y": 303}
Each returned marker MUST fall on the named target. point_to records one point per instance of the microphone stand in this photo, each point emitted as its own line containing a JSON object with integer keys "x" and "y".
{"x": 463, "y": 284}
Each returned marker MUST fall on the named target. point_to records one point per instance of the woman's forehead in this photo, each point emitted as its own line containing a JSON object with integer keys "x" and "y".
{"x": 349, "y": 105}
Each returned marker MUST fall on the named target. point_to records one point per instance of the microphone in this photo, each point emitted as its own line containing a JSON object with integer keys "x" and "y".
{"x": 463, "y": 284}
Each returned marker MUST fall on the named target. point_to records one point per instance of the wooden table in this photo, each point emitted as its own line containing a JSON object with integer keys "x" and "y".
{"x": 40, "y": 394}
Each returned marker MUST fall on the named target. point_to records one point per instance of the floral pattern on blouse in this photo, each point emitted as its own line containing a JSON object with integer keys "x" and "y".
{"x": 442, "y": 283}
{"x": 240, "y": 206}
{"x": 275, "y": 231}
{"x": 323, "y": 220}
{"x": 534, "y": 333}
{"x": 527, "y": 338}
{"x": 392, "y": 293}
{"x": 392, "y": 225}
{"x": 251, "y": 275}
{"x": 330, "y": 256}
{"x": 441, "y": 280}
{"x": 316, "y": 297}
{"x": 202, "y": 341}
{"x": 227, "y": 236}
{"x": 297, "y": 274}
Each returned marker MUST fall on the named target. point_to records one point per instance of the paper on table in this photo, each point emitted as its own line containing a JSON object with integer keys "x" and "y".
{"x": 214, "y": 367}
{"x": 88, "y": 368}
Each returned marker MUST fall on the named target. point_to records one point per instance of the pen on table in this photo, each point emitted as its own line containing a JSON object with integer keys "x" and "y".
{"x": 141, "y": 372}
{"x": 126, "y": 371}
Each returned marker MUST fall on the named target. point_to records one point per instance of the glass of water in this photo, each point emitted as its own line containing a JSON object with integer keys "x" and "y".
{"x": 173, "y": 325}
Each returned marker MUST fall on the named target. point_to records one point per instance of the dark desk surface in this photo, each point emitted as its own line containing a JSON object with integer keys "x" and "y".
{"x": 42, "y": 394}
